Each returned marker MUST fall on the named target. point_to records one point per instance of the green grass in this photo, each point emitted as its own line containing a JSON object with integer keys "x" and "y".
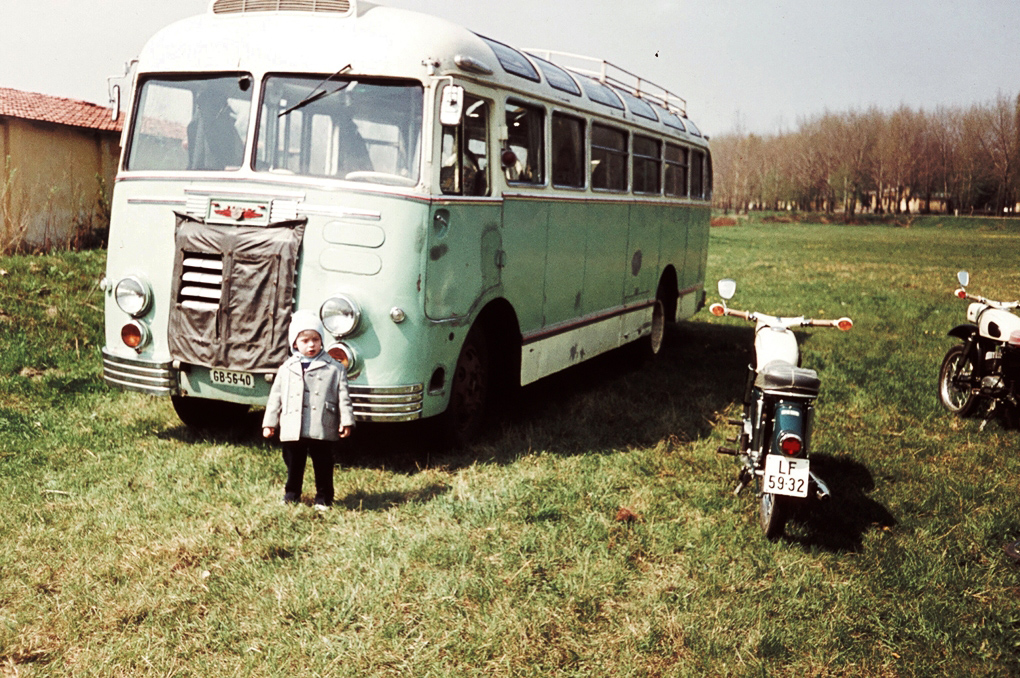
{"x": 131, "y": 546}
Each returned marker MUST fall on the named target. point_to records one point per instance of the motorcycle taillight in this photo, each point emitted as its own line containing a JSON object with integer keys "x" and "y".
{"x": 1014, "y": 338}
{"x": 791, "y": 445}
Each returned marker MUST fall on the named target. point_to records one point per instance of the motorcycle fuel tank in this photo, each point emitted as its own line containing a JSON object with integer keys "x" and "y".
{"x": 775, "y": 343}
{"x": 995, "y": 323}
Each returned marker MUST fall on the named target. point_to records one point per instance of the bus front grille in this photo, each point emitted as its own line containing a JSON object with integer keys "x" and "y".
{"x": 201, "y": 281}
{"x": 138, "y": 375}
{"x": 394, "y": 403}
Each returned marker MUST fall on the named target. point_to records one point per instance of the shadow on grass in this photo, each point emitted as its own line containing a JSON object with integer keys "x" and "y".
{"x": 614, "y": 401}
{"x": 383, "y": 501}
{"x": 839, "y": 524}
{"x": 611, "y": 402}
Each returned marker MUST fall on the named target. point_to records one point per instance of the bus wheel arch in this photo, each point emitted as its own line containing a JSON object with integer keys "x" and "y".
{"x": 487, "y": 371}
{"x": 668, "y": 292}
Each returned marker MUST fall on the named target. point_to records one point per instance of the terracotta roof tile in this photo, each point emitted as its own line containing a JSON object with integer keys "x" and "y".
{"x": 32, "y": 106}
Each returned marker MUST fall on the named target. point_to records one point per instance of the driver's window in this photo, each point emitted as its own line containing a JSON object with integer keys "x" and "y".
{"x": 464, "y": 168}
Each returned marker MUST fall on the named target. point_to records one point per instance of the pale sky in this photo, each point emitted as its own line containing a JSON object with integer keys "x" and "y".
{"x": 760, "y": 65}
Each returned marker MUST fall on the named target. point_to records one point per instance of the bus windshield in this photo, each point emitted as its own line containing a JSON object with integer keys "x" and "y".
{"x": 190, "y": 124}
{"x": 346, "y": 128}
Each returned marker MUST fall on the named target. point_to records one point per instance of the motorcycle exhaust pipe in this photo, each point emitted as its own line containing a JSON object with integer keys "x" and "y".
{"x": 822, "y": 490}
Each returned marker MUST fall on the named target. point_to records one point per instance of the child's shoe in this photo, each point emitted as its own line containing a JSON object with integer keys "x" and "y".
{"x": 321, "y": 508}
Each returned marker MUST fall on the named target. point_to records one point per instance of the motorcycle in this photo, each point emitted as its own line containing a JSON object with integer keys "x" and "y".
{"x": 775, "y": 430}
{"x": 983, "y": 371}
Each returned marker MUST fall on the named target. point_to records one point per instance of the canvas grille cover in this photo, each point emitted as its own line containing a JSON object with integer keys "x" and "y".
{"x": 232, "y": 294}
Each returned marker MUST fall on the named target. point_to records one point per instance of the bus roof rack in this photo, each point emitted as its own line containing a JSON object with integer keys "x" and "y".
{"x": 613, "y": 75}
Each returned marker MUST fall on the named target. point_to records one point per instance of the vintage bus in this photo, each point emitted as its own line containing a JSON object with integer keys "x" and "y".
{"x": 466, "y": 217}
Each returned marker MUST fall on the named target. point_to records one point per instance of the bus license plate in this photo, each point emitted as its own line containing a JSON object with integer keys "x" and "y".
{"x": 786, "y": 476}
{"x": 230, "y": 378}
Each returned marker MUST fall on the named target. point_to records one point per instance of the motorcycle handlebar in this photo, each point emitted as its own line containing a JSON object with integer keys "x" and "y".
{"x": 719, "y": 309}
{"x": 964, "y": 294}
{"x": 840, "y": 323}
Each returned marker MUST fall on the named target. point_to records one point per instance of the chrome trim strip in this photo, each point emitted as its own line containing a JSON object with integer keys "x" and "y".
{"x": 386, "y": 390}
{"x": 159, "y": 202}
{"x": 139, "y": 375}
{"x": 135, "y": 362}
{"x": 338, "y": 212}
{"x": 575, "y": 323}
{"x": 387, "y": 403}
{"x": 241, "y": 193}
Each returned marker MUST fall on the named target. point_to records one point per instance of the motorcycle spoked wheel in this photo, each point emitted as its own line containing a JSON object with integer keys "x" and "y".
{"x": 956, "y": 364}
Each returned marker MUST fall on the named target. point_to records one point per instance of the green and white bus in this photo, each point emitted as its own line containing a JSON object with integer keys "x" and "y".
{"x": 465, "y": 216}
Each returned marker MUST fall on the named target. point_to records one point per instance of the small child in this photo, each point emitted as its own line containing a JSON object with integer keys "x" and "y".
{"x": 311, "y": 405}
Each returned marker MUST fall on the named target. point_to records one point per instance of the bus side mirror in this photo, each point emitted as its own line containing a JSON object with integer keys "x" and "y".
{"x": 451, "y": 108}
{"x": 115, "y": 102}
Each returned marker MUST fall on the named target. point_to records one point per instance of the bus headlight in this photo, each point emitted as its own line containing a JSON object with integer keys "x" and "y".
{"x": 133, "y": 295}
{"x": 340, "y": 316}
{"x": 346, "y": 356}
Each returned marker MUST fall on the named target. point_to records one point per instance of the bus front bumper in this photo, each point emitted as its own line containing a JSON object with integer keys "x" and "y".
{"x": 371, "y": 403}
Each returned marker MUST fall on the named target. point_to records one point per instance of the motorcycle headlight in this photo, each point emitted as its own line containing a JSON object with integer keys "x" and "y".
{"x": 340, "y": 316}
{"x": 133, "y": 296}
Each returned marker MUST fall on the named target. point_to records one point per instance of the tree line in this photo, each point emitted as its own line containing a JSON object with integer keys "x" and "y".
{"x": 962, "y": 160}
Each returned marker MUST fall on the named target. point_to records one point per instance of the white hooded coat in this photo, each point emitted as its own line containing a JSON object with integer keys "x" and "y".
{"x": 312, "y": 403}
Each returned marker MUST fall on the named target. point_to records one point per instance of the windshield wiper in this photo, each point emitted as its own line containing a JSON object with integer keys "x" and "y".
{"x": 317, "y": 94}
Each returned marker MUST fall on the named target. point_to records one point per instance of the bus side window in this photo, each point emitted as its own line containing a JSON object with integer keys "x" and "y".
{"x": 647, "y": 164}
{"x": 526, "y": 131}
{"x": 567, "y": 151}
{"x": 676, "y": 171}
{"x": 697, "y": 165}
{"x": 608, "y": 158}
{"x": 464, "y": 167}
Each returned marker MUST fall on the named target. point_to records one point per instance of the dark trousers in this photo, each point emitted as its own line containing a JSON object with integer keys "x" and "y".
{"x": 294, "y": 454}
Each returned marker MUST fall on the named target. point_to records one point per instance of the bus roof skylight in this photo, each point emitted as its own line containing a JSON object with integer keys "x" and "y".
{"x": 557, "y": 77}
{"x": 512, "y": 61}
{"x": 598, "y": 92}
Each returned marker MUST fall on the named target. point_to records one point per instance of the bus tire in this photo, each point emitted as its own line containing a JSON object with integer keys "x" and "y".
{"x": 469, "y": 391}
{"x": 203, "y": 414}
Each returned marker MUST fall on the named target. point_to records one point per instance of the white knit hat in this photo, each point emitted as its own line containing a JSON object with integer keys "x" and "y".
{"x": 305, "y": 320}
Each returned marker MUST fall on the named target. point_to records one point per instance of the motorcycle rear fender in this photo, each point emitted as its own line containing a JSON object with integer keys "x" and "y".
{"x": 790, "y": 418}
{"x": 964, "y": 331}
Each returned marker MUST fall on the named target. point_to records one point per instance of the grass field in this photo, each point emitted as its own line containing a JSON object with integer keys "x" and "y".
{"x": 132, "y": 546}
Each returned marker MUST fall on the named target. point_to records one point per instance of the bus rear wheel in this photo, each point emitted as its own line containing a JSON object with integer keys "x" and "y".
{"x": 204, "y": 414}
{"x": 469, "y": 391}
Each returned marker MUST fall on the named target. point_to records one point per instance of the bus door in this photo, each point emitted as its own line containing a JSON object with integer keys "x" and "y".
{"x": 463, "y": 231}
{"x": 525, "y": 212}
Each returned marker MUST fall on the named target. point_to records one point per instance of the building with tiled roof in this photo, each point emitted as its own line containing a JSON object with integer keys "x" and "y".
{"x": 15, "y": 103}
{"x": 58, "y": 160}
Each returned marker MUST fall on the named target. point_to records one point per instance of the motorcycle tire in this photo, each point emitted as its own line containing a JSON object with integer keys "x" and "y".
{"x": 773, "y": 514}
{"x": 961, "y": 402}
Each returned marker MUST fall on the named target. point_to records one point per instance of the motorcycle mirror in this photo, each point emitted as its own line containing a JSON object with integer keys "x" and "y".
{"x": 717, "y": 309}
{"x": 727, "y": 288}
{"x": 963, "y": 277}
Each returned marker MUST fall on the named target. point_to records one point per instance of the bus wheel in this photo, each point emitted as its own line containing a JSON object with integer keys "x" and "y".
{"x": 658, "y": 328}
{"x": 206, "y": 414}
{"x": 469, "y": 390}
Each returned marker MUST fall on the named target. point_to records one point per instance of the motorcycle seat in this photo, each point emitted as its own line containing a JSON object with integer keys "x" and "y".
{"x": 786, "y": 378}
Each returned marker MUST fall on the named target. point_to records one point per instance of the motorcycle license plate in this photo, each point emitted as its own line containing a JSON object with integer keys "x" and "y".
{"x": 786, "y": 476}
{"x": 230, "y": 378}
